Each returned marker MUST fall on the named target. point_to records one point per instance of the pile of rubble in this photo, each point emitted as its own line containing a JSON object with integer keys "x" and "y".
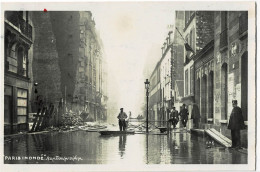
{"x": 72, "y": 119}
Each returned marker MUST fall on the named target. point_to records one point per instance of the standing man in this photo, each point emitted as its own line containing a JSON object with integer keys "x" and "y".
{"x": 174, "y": 117}
{"x": 121, "y": 119}
{"x": 184, "y": 115}
{"x": 195, "y": 115}
{"x": 236, "y": 123}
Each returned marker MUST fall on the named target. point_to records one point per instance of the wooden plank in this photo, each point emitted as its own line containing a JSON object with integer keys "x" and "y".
{"x": 221, "y": 136}
{"x": 116, "y": 132}
{"x": 217, "y": 138}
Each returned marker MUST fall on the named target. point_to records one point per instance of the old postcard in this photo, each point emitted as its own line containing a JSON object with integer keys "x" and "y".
{"x": 128, "y": 86}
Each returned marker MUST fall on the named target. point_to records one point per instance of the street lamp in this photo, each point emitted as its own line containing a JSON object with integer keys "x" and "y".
{"x": 147, "y": 85}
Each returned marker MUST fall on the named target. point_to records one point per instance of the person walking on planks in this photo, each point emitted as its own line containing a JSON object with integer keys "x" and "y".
{"x": 174, "y": 117}
{"x": 236, "y": 123}
{"x": 184, "y": 115}
{"x": 121, "y": 119}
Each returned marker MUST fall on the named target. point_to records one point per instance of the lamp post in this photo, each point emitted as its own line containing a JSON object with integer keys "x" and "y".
{"x": 147, "y": 85}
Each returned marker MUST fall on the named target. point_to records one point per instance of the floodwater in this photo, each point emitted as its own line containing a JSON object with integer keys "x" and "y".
{"x": 91, "y": 148}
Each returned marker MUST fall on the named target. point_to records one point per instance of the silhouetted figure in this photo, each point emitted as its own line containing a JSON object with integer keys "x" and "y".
{"x": 195, "y": 115}
{"x": 184, "y": 115}
{"x": 236, "y": 123}
{"x": 121, "y": 119}
{"x": 174, "y": 117}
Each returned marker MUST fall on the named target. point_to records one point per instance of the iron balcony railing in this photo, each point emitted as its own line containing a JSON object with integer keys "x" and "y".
{"x": 17, "y": 20}
{"x": 223, "y": 39}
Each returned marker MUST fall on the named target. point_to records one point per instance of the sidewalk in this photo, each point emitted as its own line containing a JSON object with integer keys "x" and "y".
{"x": 202, "y": 133}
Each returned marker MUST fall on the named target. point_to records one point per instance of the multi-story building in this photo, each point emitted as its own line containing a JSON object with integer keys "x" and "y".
{"x": 198, "y": 31}
{"x": 18, "y": 55}
{"x": 155, "y": 95}
{"x": 221, "y": 71}
{"x": 165, "y": 79}
{"x": 231, "y": 67}
{"x": 61, "y": 58}
{"x": 82, "y": 67}
{"x": 177, "y": 62}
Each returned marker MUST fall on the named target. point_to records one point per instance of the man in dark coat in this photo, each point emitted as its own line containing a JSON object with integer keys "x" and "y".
{"x": 195, "y": 115}
{"x": 236, "y": 123}
{"x": 121, "y": 119}
{"x": 184, "y": 115}
{"x": 174, "y": 117}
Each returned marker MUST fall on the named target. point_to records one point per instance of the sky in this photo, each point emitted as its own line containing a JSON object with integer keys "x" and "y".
{"x": 132, "y": 34}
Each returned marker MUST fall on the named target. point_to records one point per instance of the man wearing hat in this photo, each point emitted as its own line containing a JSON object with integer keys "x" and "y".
{"x": 184, "y": 115}
{"x": 236, "y": 123}
{"x": 121, "y": 119}
{"x": 174, "y": 117}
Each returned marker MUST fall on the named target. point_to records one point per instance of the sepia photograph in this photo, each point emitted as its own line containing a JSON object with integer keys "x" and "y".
{"x": 128, "y": 86}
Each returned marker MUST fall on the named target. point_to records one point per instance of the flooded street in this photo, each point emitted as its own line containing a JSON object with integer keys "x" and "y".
{"x": 91, "y": 148}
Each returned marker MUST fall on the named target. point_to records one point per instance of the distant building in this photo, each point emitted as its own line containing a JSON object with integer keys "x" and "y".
{"x": 155, "y": 94}
{"x": 18, "y": 54}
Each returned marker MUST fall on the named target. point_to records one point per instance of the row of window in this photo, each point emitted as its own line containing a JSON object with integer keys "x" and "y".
{"x": 191, "y": 83}
{"x": 21, "y": 102}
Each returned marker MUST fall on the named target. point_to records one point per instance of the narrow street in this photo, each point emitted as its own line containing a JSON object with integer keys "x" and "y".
{"x": 179, "y": 147}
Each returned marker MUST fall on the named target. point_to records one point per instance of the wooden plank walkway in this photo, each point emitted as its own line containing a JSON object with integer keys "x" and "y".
{"x": 116, "y": 132}
{"x": 221, "y": 139}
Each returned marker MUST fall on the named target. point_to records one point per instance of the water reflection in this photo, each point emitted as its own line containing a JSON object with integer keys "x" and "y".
{"x": 175, "y": 148}
{"x": 122, "y": 143}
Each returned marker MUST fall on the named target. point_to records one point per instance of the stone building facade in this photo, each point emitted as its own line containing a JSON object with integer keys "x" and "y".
{"x": 18, "y": 54}
{"x": 198, "y": 31}
{"x": 221, "y": 72}
{"x": 231, "y": 67}
{"x": 155, "y": 95}
{"x": 49, "y": 57}
{"x": 177, "y": 82}
{"x": 81, "y": 62}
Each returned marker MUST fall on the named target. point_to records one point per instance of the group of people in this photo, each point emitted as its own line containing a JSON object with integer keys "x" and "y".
{"x": 236, "y": 120}
{"x": 174, "y": 116}
{"x": 195, "y": 115}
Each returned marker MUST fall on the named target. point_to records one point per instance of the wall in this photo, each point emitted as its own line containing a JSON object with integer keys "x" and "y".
{"x": 233, "y": 55}
{"x": 45, "y": 64}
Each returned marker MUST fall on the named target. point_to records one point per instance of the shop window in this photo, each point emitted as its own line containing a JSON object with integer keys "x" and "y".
{"x": 22, "y": 96}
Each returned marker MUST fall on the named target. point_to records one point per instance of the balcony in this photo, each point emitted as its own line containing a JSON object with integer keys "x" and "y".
{"x": 17, "y": 20}
{"x": 223, "y": 40}
{"x": 243, "y": 24}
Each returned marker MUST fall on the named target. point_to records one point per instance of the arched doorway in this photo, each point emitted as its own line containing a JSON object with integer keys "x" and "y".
{"x": 244, "y": 84}
{"x": 204, "y": 99}
{"x": 197, "y": 92}
{"x": 211, "y": 95}
{"x": 224, "y": 93}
